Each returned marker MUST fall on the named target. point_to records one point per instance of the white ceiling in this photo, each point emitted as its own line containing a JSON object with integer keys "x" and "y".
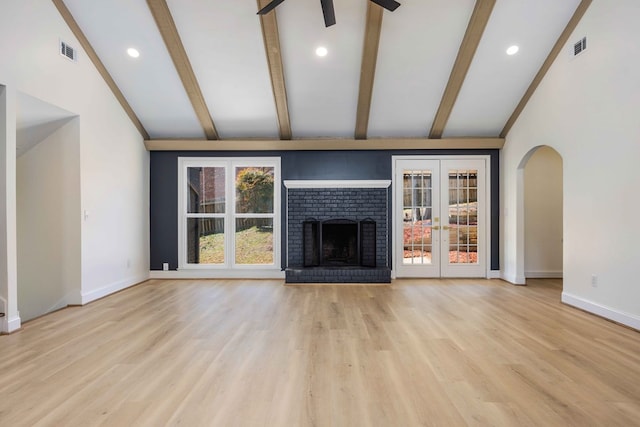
{"x": 418, "y": 46}
{"x": 226, "y": 51}
{"x": 496, "y": 82}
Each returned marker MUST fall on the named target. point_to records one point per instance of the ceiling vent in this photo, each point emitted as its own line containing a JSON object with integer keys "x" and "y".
{"x": 68, "y": 52}
{"x": 580, "y": 46}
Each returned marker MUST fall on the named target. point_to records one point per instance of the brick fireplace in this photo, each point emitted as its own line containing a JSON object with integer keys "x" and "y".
{"x": 337, "y": 232}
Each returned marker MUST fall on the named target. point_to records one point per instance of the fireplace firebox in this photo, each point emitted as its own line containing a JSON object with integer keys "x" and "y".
{"x": 339, "y": 243}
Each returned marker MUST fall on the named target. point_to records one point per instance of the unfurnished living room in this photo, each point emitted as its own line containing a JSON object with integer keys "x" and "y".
{"x": 319, "y": 213}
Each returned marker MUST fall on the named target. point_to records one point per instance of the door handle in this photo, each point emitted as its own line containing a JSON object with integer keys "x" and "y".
{"x": 445, "y": 227}
{"x": 436, "y": 227}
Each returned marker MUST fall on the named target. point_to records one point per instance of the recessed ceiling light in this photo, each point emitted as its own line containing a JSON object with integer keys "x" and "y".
{"x": 513, "y": 50}
{"x": 133, "y": 52}
{"x": 322, "y": 51}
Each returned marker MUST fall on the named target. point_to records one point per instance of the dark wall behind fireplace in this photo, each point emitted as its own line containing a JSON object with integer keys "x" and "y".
{"x": 296, "y": 165}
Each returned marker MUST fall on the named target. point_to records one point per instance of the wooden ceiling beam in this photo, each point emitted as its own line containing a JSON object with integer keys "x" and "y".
{"x": 271, "y": 37}
{"x": 93, "y": 56}
{"x": 470, "y": 42}
{"x": 166, "y": 25}
{"x": 324, "y": 144}
{"x": 368, "y": 68}
{"x": 555, "y": 51}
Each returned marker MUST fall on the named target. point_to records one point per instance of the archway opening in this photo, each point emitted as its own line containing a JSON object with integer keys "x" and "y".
{"x": 540, "y": 215}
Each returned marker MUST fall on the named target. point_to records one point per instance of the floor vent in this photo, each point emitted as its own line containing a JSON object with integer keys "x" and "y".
{"x": 580, "y": 46}
{"x": 68, "y": 51}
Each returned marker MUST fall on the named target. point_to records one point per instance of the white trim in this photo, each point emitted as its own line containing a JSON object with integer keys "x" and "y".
{"x": 628, "y": 319}
{"x": 494, "y": 274}
{"x": 349, "y": 183}
{"x": 543, "y": 274}
{"x": 217, "y": 274}
{"x": 61, "y": 303}
{"x": 13, "y": 324}
{"x": 229, "y": 216}
{"x": 87, "y": 297}
{"x": 74, "y": 297}
{"x": 514, "y": 279}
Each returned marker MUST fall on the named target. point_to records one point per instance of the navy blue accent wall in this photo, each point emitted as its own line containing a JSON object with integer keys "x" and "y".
{"x": 295, "y": 165}
{"x": 163, "y": 207}
{"x": 336, "y": 165}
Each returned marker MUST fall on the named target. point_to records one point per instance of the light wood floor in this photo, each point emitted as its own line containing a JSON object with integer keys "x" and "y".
{"x": 256, "y": 353}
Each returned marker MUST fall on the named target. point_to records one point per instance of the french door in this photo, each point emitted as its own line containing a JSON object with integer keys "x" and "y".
{"x": 440, "y": 218}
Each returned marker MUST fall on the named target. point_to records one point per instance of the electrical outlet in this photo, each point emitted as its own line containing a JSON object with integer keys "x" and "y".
{"x": 165, "y": 266}
{"x": 128, "y": 263}
{"x": 594, "y": 281}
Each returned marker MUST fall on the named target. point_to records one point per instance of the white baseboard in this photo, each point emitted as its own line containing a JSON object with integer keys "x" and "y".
{"x": 87, "y": 297}
{"x": 494, "y": 274}
{"x": 514, "y": 279}
{"x": 8, "y": 325}
{"x": 216, "y": 274}
{"x": 543, "y": 274}
{"x": 618, "y": 316}
{"x": 62, "y": 303}
{"x": 13, "y": 324}
{"x": 74, "y": 297}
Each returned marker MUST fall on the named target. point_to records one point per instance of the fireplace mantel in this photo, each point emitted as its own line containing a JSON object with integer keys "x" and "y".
{"x": 328, "y": 183}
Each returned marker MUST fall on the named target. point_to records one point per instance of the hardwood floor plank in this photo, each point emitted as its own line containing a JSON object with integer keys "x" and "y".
{"x": 250, "y": 352}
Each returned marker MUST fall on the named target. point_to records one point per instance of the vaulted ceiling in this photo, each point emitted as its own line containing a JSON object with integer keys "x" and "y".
{"x": 215, "y": 70}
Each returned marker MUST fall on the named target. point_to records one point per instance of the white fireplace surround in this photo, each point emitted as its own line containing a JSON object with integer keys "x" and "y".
{"x": 328, "y": 183}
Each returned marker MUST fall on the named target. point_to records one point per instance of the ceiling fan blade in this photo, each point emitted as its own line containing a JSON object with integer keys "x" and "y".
{"x": 390, "y": 5}
{"x": 268, "y": 8}
{"x": 328, "y": 12}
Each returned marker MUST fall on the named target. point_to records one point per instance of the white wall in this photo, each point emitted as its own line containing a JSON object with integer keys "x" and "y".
{"x": 114, "y": 164}
{"x": 8, "y": 256}
{"x": 48, "y": 202}
{"x": 587, "y": 109}
{"x": 543, "y": 214}
{"x": 4, "y": 283}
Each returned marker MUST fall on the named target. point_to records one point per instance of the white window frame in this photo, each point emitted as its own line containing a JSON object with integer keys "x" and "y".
{"x": 230, "y": 164}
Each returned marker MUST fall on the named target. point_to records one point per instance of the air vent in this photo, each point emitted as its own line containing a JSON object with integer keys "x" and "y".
{"x": 580, "y": 46}
{"x": 68, "y": 51}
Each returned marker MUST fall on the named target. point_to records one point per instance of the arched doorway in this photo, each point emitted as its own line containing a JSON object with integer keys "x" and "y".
{"x": 540, "y": 215}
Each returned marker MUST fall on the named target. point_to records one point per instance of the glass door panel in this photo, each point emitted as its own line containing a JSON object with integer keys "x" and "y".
{"x": 463, "y": 218}
{"x": 417, "y": 227}
{"x": 417, "y": 224}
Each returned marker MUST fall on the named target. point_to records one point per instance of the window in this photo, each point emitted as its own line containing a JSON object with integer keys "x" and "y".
{"x": 229, "y": 213}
